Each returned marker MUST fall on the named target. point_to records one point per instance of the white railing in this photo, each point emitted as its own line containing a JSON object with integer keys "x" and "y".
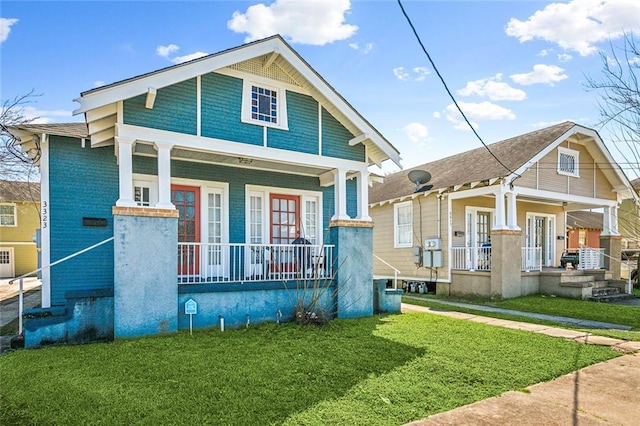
{"x": 590, "y": 258}
{"x": 209, "y": 262}
{"x": 471, "y": 258}
{"x": 531, "y": 259}
{"x": 396, "y": 271}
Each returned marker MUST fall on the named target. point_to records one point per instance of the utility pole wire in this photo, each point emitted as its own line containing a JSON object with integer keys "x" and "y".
{"x": 447, "y": 88}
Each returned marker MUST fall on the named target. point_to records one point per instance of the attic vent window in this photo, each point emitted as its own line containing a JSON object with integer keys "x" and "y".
{"x": 568, "y": 162}
{"x": 264, "y": 104}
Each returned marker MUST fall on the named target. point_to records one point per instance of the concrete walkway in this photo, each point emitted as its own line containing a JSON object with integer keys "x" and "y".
{"x": 602, "y": 394}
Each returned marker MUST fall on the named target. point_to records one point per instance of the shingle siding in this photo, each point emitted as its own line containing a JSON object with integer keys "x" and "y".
{"x": 83, "y": 183}
{"x": 174, "y": 109}
{"x": 335, "y": 140}
{"x": 302, "y": 135}
{"x": 221, "y": 111}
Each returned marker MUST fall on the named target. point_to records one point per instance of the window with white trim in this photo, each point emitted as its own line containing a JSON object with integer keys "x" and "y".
{"x": 403, "y": 224}
{"x": 264, "y": 104}
{"x": 145, "y": 190}
{"x": 568, "y": 162}
{"x": 8, "y": 215}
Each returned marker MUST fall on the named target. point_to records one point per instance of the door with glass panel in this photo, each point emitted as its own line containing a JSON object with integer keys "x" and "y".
{"x": 216, "y": 257}
{"x": 541, "y": 235}
{"x": 479, "y": 240}
{"x": 285, "y": 229}
{"x": 187, "y": 202}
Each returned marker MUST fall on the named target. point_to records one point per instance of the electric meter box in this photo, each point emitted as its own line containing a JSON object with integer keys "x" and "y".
{"x": 432, "y": 255}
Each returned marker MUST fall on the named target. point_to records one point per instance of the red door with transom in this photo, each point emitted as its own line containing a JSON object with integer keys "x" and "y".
{"x": 187, "y": 202}
{"x": 284, "y": 229}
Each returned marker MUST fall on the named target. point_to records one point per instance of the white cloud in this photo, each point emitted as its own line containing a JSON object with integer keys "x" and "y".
{"x": 541, "y": 74}
{"x": 476, "y": 112}
{"x": 417, "y": 73}
{"x": 366, "y": 49}
{"x": 189, "y": 57}
{"x": 165, "y": 51}
{"x": 45, "y": 117}
{"x": 422, "y": 73}
{"x": 564, "y": 57}
{"x": 416, "y": 132}
{"x": 401, "y": 74}
{"x": 578, "y": 24}
{"x": 315, "y": 22}
{"x": 98, "y": 83}
{"x": 544, "y": 52}
{"x": 494, "y": 89}
{"x": 436, "y": 114}
{"x": 5, "y": 28}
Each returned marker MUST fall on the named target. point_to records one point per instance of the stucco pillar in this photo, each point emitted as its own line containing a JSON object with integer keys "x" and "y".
{"x": 340, "y": 194}
{"x": 506, "y": 259}
{"x": 612, "y": 245}
{"x": 164, "y": 175}
{"x": 363, "y": 196}
{"x": 145, "y": 287}
{"x": 353, "y": 263}
{"x": 125, "y": 171}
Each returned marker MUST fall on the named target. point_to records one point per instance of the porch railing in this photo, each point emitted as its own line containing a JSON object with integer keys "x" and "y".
{"x": 590, "y": 258}
{"x": 217, "y": 262}
{"x": 471, "y": 258}
{"x": 531, "y": 259}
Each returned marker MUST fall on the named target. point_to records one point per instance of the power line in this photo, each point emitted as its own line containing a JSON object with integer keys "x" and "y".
{"x": 447, "y": 88}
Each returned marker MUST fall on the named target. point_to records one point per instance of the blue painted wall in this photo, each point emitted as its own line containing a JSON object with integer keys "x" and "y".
{"x": 335, "y": 140}
{"x": 302, "y": 135}
{"x": 83, "y": 183}
{"x": 174, "y": 109}
{"x": 221, "y": 110}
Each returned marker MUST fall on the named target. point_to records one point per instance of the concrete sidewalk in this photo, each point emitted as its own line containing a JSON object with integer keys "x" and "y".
{"x": 7, "y": 291}
{"x": 601, "y": 394}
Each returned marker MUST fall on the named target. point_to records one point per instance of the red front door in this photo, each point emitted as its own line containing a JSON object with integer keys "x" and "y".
{"x": 187, "y": 202}
{"x": 284, "y": 229}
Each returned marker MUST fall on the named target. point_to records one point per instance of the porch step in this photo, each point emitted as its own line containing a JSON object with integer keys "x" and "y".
{"x": 608, "y": 294}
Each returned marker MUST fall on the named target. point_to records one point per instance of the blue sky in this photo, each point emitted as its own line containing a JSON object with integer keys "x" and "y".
{"x": 514, "y": 66}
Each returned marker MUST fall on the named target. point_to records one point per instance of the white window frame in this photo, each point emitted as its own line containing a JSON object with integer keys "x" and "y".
{"x": 146, "y": 181}
{"x": 396, "y": 226}
{"x": 576, "y": 161}
{"x": 282, "y": 122}
{"x": 15, "y": 215}
{"x": 471, "y": 223}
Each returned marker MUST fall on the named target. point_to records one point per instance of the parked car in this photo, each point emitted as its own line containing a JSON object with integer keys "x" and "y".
{"x": 569, "y": 256}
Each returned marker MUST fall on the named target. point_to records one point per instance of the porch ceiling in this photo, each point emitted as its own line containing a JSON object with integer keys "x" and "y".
{"x": 233, "y": 161}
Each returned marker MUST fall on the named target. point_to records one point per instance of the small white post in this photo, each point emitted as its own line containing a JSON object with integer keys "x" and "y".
{"x": 20, "y": 307}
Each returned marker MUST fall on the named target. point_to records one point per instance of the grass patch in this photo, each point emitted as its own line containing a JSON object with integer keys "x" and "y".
{"x": 370, "y": 371}
{"x": 616, "y": 314}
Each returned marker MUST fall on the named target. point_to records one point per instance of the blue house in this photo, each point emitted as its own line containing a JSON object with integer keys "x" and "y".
{"x": 197, "y": 182}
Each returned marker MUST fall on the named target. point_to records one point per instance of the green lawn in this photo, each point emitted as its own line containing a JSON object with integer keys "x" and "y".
{"x": 371, "y": 371}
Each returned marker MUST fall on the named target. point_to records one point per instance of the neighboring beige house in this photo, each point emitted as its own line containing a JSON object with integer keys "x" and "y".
{"x": 19, "y": 219}
{"x": 629, "y": 220}
{"x": 490, "y": 229}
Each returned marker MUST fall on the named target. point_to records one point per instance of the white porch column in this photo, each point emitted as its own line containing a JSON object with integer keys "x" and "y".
{"x": 125, "y": 171}
{"x": 340, "y": 194}
{"x": 363, "y": 196}
{"x": 610, "y": 221}
{"x": 512, "y": 211}
{"x": 164, "y": 175}
{"x": 500, "y": 216}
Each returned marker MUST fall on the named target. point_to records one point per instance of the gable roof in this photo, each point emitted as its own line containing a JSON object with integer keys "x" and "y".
{"x": 99, "y": 104}
{"x": 584, "y": 219}
{"x": 73, "y": 130}
{"x": 636, "y": 184}
{"x": 19, "y": 191}
{"x": 472, "y": 166}
{"x": 478, "y": 165}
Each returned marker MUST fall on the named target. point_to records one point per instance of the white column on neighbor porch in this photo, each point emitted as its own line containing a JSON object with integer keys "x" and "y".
{"x": 125, "y": 171}
{"x": 512, "y": 211}
{"x": 500, "y": 222}
{"x": 164, "y": 175}
{"x": 610, "y": 221}
{"x": 340, "y": 194}
{"x": 363, "y": 196}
